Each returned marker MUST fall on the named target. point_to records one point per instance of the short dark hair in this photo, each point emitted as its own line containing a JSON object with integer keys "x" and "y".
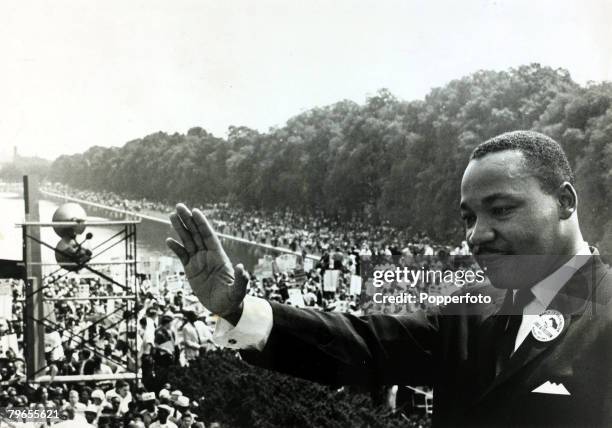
{"x": 543, "y": 154}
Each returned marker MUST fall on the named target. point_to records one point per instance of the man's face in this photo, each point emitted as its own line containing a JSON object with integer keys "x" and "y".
{"x": 116, "y": 402}
{"x": 163, "y": 415}
{"x": 123, "y": 391}
{"x": 511, "y": 223}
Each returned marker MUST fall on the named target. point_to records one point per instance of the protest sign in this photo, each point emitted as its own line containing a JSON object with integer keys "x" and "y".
{"x": 264, "y": 268}
{"x": 296, "y": 298}
{"x": 330, "y": 280}
{"x": 355, "y": 288}
{"x": 6, "y": 300}
{"x": 286, "y": 262}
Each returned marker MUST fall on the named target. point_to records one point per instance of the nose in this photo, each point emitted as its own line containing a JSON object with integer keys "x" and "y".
{"x": 479, "y": 234}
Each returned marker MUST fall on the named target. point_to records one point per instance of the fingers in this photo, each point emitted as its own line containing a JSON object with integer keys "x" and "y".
{"x": 241, "y": 275}
{"x": 211, "y": 241}
{"x": 183, "y": 233}
{"x": 187, "y": 219}
{"x": 241, "y": 280}
{"x": 179, "y": 250}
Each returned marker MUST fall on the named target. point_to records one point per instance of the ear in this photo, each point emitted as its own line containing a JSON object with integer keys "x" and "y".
{"x": 567, "y": 198}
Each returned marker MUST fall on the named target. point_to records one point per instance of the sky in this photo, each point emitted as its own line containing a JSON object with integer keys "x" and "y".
{"x": 79, "y": 73}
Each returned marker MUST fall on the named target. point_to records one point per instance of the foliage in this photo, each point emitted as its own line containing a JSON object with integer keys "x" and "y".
{"x": 20, "y": 166}
{"x": 237, "y": 394}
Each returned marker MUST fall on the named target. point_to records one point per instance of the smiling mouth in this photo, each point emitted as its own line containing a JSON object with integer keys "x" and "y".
{"x": 493, "y": 256}
{"x": 492, "y": 259}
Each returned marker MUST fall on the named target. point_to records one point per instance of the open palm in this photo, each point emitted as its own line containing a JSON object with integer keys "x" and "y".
{"x": 219, "y": 286}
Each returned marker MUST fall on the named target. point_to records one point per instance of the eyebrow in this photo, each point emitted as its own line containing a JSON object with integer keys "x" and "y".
{"x": 488, "y": 200}
{"x": 495, "y": 196}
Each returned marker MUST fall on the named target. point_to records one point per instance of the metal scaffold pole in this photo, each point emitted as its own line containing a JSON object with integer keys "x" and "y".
{"x": 34, "y": 309}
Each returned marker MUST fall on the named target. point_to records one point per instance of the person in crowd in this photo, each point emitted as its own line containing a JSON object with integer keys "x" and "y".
{"x": 75, "y": 405}
{"x": 181, "y": 406}
{"x": 147, "y": 408}
{"x": 121, "y": 394}
{"x": 187, "y": 420}
{"x": 191, "y": 342}
{"x": 98, "y": 399}
{"x": 41, "y": 396}
{"x": 165, "y": 342}
{"x": 70, "y": 420}
{"x": 91, "y": 414}
{"x": 204, "y": 329}
{"x": 164, "y": 395}
{"x": 174, "y": 395}
{"x": 84, "y": 360}
{"x": 163, "y": 413}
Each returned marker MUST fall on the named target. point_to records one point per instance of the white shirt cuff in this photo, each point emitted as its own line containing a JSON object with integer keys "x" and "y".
{"x": 252, "y": 330}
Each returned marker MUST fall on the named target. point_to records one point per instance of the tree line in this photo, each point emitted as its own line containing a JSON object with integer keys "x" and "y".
{"x": 385, "y": 161}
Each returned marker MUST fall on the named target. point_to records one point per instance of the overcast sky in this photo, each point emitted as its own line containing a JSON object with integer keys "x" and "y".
{"x": 79, "y": 73}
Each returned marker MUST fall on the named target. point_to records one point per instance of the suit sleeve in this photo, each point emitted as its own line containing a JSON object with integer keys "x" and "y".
{"x": 341, "y": 349}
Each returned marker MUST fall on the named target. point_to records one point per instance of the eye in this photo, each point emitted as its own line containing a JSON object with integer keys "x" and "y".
{"x": 468, "y": 219}
{"x": 501, "y": 211}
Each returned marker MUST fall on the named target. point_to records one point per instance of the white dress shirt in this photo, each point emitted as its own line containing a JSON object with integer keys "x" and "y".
{"x": 546, "y": 290}
{"x": 252, "y": 330}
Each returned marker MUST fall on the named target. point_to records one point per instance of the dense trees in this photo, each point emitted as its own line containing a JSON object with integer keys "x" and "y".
{"x": 386, "y": 160}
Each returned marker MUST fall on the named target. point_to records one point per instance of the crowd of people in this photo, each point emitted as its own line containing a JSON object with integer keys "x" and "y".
{"x": 108, "y": 198}
{"x": 94, "y": 336}
{"x": 301, "y": 233}
{"x": 92, "y": 406}
{"x": 93, "y": 327}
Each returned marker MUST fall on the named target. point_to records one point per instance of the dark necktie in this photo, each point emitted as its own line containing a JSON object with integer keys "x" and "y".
{"x": 512, "y": 322}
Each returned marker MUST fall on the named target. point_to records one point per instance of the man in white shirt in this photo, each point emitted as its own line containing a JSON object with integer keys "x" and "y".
{"x": 519, "y": 206}
{"x": 163, "y": 411}
{"x": 77, "y": 407}
{"x": 98, "y": 399}
{"x": 205, "y": 334}
{"x": 121, "y": 391}
{"x": 53, "y": 345}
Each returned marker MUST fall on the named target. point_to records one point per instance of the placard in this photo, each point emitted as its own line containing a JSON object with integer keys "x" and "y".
{"x": 286, "y": 262}
{"x": 296, "y": 298}
{"x": 330, "y": 280}
{"x": 6, "y": 300}
{"x": 355, "y": 288}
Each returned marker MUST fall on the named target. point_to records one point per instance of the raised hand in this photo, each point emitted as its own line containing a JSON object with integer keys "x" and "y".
{"x": 219, "y": 286}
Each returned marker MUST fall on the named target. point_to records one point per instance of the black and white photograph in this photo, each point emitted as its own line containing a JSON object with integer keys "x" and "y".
{"x": 332, "y": 213}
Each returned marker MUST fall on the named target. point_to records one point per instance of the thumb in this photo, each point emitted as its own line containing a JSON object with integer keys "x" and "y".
{"x": 241, "y": 279}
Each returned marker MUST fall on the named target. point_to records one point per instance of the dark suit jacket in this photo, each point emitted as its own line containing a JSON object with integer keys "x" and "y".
{"x": 456, "y": 355}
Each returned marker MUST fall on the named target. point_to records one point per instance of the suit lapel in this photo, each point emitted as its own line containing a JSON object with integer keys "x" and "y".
{"x": 492, "y": 326}
{"x": 527, "y": 352}
{"x": 571, "y": 301}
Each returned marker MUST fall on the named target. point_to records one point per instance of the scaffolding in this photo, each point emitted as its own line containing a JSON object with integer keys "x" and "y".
{"x": 35, "y": 318}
